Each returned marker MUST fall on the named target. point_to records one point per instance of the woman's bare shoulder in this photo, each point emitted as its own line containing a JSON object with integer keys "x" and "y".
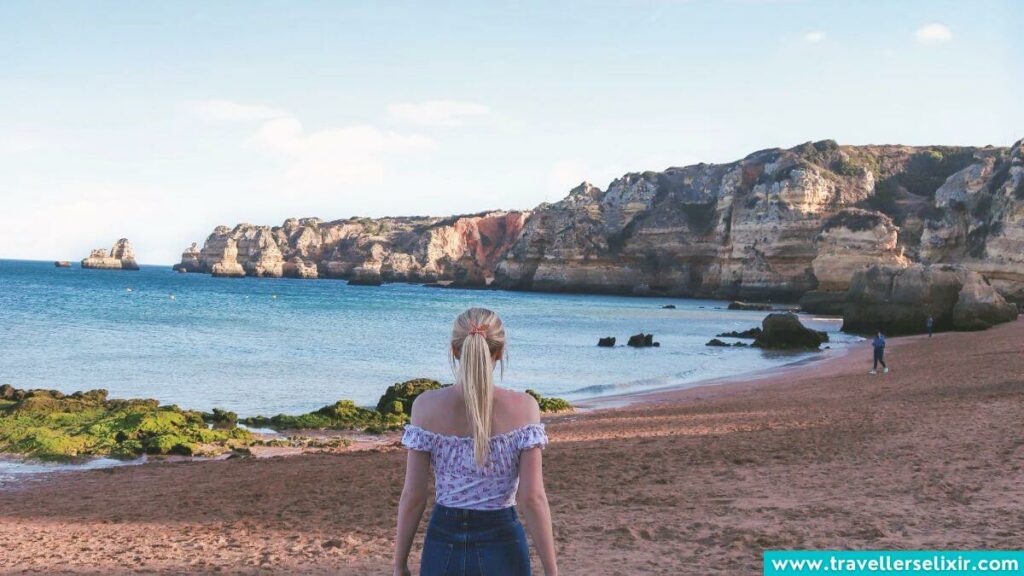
{"x": 427, "y": 404}
{"x": 521, "y": 406}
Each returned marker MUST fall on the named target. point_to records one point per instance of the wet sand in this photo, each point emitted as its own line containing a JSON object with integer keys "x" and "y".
{"x": 697, "y": 481}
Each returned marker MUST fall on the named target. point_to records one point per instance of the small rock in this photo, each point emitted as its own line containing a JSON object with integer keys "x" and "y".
{"x": 717, "y": 342}
{"x": 737, "y": 305}
{"x": 752, "y": 333}
{"x": 669, "y": 307}
{"x": 607, "y": 342}
{"x": 642, "y": 340}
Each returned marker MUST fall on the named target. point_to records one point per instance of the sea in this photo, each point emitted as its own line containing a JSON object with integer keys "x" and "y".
{"x": 270, "y": 346}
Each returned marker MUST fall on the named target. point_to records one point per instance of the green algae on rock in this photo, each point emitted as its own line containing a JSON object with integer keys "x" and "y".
{"x": 392, "y": 412}
{"x": 398, "y": 398}
{"x": 549, "y": 404}
{"x": 48, "y": 424}
{"x": 342, "y": 415}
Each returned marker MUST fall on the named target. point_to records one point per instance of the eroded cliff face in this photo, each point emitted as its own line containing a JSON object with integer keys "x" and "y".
{"x": 461, "y": 249}
{"x": 780, "y": 224}
{"x": 776, "y": 225}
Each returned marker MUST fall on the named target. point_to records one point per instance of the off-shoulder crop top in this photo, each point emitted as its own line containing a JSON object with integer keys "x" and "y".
{"x": 458, "y": 482}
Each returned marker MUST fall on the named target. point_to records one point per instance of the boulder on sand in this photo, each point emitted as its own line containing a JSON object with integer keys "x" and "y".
{"x": 783, "y": 330}
{"x": 899, "y": 300}
{"x": 607, "y": 342}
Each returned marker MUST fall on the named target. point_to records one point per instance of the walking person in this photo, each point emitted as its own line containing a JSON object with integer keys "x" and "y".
{"x": 931, "y": 325}
{"x": 484, "y": 443}
{"x": 879, "y": 346}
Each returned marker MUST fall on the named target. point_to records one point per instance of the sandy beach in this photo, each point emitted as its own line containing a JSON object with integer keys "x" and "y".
{"x": 697, "y": 481}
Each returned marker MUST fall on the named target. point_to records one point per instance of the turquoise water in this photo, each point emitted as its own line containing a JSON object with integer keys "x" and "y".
{"x": 268, "y": 346}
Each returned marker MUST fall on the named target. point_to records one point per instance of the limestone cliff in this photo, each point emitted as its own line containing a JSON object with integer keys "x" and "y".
{"x": 460, "y": 249}
{"x": 120, "y": 257}
{"x": 778, "y": 224}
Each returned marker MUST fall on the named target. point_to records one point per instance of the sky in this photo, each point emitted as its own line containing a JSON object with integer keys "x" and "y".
{"x": 158, "y": 121}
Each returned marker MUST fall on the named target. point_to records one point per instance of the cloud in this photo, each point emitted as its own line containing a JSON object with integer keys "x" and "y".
{"x": 437, "y": 113}
{"x": 327, "y": 160}
{"x": 229, "y": 112}
{"x": 814, "y": 37}
{"x": 933, "y": 34}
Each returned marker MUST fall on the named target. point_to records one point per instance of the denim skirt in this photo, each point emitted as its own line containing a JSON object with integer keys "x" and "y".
{"x": 462, "y": 542}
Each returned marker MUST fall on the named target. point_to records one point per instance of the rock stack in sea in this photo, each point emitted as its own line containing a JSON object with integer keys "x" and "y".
{"x": 120, "y": 257}
{"x": 189, "y": 260}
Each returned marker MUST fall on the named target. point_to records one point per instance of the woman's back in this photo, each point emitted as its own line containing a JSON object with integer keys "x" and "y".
{"x": 441, "y": 427}
{"x": 483, "y": 443}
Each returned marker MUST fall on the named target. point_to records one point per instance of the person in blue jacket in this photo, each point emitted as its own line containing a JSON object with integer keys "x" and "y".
{"x": 879, "y": 345}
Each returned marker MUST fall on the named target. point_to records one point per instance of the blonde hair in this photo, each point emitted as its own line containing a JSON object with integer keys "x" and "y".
{"x": 479, "y": 337}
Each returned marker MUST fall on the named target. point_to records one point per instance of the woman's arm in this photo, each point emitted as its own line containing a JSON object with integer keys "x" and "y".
{"x": 410, "y": 507}
{"x": 534, "y": 503}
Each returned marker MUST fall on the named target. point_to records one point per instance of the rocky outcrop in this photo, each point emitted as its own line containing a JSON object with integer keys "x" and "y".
{"x": 899, "y": 300}
{"x": 462, "y": 249}
{"x": 776, "y": 226}
{"x": 62, "y": 264}
{"x": 979, "y": 222}
{"x": 227, "y": 266}
{"x": 120, "y": 257}
{"x": 642, "y": 340}
{"x": 783, "y": 330}
{"x": 849, "y": 240}
{"x": 751, "y": 333}
{"x": 189, "y": 260}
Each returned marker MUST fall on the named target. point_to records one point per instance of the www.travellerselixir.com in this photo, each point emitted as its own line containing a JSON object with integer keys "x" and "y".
{"x": 903, "y": 563}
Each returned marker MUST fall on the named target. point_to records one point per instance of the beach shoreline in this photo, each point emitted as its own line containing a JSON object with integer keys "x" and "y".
{"x": 692, "y": 481}
{"x": 722, "y": 385}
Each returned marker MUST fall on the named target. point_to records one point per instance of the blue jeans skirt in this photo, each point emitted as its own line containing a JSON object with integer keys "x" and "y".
{"x": 462, "y": 542}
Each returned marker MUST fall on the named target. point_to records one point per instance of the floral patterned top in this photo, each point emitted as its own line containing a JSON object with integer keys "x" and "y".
{"x": 458, "y": 482}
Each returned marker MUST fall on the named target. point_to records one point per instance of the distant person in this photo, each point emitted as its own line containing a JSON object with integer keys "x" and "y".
{"x": 484, "y": 443}
{"x": 931, "y": 326}
{"x": 879, "y": 345}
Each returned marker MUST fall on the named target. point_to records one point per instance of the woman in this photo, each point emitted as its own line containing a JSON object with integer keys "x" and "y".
{"x": 484, "y": 443}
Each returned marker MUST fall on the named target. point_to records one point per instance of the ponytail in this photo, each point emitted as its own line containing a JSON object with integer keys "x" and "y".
{"x": 479, "y": 336}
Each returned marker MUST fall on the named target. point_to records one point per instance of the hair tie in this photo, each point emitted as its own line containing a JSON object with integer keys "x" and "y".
{"x": 481, "y": 330}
